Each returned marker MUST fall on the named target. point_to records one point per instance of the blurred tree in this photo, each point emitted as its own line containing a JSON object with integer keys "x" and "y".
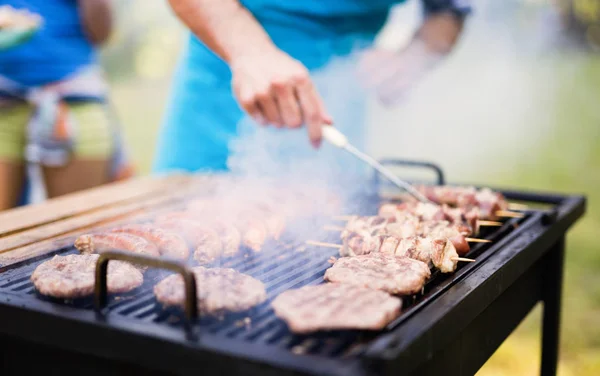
{"x": 145, "y": 43}
{"x": 581, "y": 20}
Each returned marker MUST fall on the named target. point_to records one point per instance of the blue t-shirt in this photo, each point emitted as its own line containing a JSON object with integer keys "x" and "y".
{"x": 58, "y": 49}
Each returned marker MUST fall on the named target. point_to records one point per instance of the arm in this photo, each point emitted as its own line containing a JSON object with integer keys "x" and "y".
{"x": 443, "y": 24}
{"x": 393, "y": 73}
{"x": 96, "y": 16}
{"x": 269, "y": 85}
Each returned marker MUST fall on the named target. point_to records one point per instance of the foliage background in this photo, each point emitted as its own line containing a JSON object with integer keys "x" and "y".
{"x": 516, "y": 105}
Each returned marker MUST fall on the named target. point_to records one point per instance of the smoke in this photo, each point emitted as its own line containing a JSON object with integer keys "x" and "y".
{"x": 478, "y": 104}
{"x": 485, "y": 107}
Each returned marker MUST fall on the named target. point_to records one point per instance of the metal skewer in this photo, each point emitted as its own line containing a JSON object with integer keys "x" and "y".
{"x": 338, "y": 139}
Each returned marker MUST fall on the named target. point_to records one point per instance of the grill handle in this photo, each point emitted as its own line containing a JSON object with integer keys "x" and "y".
{"x": 417, "y": 164}
{"x": 101, "y": 290}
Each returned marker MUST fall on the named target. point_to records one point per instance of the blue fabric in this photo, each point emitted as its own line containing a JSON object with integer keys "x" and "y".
{"x": 58, "y": 49}
{"x": 202, "y": 117}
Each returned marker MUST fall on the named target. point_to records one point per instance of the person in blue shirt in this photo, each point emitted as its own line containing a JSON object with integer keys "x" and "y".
{"x": 55, "y": 132}
{"x": 285, "y": 64}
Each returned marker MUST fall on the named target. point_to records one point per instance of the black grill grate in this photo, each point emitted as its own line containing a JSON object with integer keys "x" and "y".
{"x": 281, "y": 266}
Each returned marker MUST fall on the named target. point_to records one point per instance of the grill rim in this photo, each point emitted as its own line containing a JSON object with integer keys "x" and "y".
{"x": 60, "y": 320}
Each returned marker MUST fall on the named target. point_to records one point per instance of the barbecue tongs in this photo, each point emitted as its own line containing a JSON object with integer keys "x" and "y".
{"x": 337, "y": 138}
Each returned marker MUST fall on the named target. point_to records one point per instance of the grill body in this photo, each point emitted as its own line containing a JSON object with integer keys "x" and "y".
{"x": 453, "y": 328}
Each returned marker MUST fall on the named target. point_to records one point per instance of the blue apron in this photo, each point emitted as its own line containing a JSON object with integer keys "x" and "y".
{"x": 204, "y": 129}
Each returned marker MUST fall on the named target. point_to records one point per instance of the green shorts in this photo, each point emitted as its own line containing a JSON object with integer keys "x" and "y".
{"x": 93, "y": 141}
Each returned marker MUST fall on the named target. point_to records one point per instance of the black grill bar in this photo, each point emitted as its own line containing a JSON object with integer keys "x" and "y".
{"x": 189, "y": 281}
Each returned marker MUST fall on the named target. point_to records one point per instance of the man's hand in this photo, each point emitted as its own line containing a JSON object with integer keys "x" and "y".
{"x": 275, "y": 89}
{"x": 391, "y": 74}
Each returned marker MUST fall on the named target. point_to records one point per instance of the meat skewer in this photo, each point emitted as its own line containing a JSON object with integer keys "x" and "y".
{"x": 435, "y": 252}
{"x": 431, "y": 212}
{"x": 412, "y": 226}
{"x": 491, "y": 204}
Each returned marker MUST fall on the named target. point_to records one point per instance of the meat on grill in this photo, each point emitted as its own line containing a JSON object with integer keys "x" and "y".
{"x": 169, "y": 243}
{"x": 466, "y": 219}
{"x": 360, "y": 234}
{"x": 380, "y": 271}
{"x": 205, "y": 240}
{"x": 102, "y": 242}
{"x": 219, "y": 290}
{"x": 73, "y": 276}
{"x": 336, "y": 306}
{"x": 486, "y": 200}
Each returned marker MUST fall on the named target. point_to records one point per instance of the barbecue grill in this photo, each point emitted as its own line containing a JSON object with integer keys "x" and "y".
{"x": 453, "y": 327}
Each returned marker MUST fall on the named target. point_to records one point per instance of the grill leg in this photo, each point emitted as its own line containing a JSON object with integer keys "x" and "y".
{"x": 552, "y": 291}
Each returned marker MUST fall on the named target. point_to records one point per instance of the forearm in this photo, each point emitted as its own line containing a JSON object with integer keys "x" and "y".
{"x": 225, "y": 26}
{"x": 96, "y": 16}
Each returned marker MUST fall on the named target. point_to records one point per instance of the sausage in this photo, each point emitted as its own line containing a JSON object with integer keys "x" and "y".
{"x": 102, "y": 242}
{"x": 205, "y": 240}
{"x": 169, "y": 243}
{"x": 231, "y": 238}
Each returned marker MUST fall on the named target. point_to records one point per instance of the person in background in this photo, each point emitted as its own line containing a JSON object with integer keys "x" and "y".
{"x": 284, "y": 64}
{"x": 55, "y": 128}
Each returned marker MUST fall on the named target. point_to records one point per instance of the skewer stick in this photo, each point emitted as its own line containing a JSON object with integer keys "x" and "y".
{"x": 509, "y": 214}
{"x": 338, "y": 229}
{"x": 517, "y": 206}
{"x": 323, "y": 244}
{"x": 479, "y": 222}
{"x": 489, "y": 223}
{"x": 476, "y": 240}
{"x": 338, "y": 246}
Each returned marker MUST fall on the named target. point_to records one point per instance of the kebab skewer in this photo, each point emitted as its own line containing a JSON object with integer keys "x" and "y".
{"x": 411, "y": 226}
{"x": 492, "y": 205}
{"x": 438, "y": 253}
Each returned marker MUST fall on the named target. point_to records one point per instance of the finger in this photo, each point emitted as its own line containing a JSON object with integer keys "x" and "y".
{"x": 287, "y": 104}
{"x": 269, "y": 109}
{"x": 252, "y": 108}
{"x": 312, "y": 111}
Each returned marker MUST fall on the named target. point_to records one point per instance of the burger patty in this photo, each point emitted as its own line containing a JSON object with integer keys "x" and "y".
{"x": 336, "y": 306}
{"x": 73, "y": 276}
{"x": 219, "y": 290}
{"x": 380, "y": 271}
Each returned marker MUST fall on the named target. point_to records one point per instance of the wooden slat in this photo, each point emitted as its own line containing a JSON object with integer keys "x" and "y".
{"x": 70, "y": 205}
{"x": 40, "y": 239}
{"x": 49, "y": 238}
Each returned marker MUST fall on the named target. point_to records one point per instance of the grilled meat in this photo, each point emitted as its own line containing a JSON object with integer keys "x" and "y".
{"x": 73, "y": 276}
{"x": 335, "y": 306}
{"x": 169, "y": 243}
{"x": 219, "y": 291}
{"x": 205, "y": 240}
{"x": 380, "y": 271}
{"x": 439, "y": 253}
{"x": 486, "y": 200}
{"x": 102, "y": 242}
{"x": 464, "y": 219}
{"x": 364, "y": 235}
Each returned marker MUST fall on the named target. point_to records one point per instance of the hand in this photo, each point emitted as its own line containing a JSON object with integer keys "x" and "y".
{"x": 392, "y": 74}
{"x": 275, "y": 89}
